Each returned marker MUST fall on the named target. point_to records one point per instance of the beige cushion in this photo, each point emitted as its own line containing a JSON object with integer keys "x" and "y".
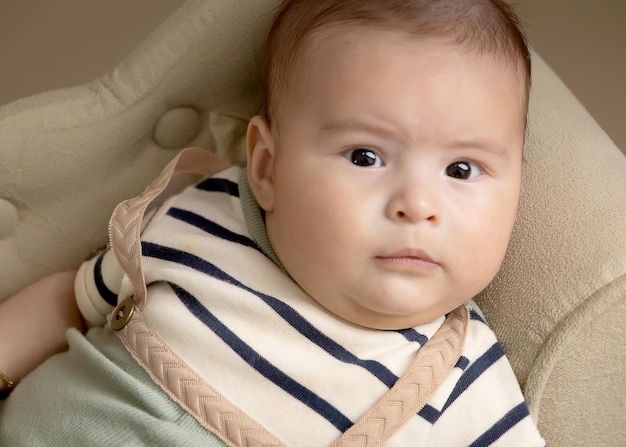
{"x": 559, "y": 302}
{"x": 558, "y": 305}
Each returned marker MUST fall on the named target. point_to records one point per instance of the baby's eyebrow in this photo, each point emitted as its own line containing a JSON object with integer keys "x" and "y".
{"x": 485, "y": 144}
{"x": 359, "y": 125}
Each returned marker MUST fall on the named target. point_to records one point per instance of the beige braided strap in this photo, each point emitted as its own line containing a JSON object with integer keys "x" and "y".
{"x": 189, "y": 390}
{"x": 168, "y": 370}
{"x": 125, "y": 223}
{"x": 431, "y": 366}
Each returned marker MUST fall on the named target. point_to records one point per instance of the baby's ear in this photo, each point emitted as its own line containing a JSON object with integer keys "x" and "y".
{"x": 260, "y": 158}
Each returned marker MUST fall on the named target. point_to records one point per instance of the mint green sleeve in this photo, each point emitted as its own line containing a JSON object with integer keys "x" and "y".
{"x": 95, "y": 394}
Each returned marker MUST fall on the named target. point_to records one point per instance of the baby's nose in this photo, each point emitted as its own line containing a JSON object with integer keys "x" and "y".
{"x": 414, "y": 201}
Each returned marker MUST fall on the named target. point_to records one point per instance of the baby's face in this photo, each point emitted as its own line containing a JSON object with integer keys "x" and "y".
{"x": 396, "y": 176}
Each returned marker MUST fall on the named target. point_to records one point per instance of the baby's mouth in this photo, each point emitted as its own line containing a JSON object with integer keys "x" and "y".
{"x": 408, "y": 259}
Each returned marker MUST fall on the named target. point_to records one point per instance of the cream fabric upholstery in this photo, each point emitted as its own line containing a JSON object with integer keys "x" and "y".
{"x": 558, "y": 305}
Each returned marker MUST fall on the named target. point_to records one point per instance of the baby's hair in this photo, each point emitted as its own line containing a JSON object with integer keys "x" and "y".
{"x": 485, "y": 26}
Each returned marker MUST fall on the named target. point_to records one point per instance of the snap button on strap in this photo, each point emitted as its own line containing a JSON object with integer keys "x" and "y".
{"x": 122, "y": 314}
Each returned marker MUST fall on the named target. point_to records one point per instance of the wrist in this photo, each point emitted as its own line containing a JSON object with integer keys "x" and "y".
{"x": 6, "y": 386}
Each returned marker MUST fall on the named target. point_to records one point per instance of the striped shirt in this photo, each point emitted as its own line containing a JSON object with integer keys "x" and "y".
{"x": 239, "y": 321}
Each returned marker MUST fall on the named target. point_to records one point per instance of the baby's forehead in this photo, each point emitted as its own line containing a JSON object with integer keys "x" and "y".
{"x": 337, "y": 35}
{"x": 331, "y": 40}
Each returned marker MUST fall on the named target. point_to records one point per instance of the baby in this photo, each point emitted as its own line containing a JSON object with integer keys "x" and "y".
{"x": 301, "y": 301}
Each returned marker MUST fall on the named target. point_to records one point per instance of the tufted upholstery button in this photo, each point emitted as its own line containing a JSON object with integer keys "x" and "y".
{"x": 177, "y": 128}
{"x": 122, "y": 314}
{"x": 8, "y": 219}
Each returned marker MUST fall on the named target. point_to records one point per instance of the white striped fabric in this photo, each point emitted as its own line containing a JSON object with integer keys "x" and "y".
{"x": 241, "y": 323}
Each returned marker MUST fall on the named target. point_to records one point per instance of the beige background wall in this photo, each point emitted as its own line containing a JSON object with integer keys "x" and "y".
{"x": 584, "y": 41}
{"x": 53, "y": 44}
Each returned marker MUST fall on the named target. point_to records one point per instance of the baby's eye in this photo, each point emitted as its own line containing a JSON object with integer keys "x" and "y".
{"x": 463, "y": 170}
{"x": 364, "y": 157}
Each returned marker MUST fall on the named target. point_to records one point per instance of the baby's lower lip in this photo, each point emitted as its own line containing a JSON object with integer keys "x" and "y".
{"x": 407, "y": 263}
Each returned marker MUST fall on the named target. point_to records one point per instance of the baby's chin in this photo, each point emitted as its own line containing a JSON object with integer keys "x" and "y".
{"x": 388, "y": 320}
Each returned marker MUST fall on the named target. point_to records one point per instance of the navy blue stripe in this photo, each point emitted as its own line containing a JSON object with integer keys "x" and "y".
{"x": 214, "y": 184}
{"x": 473, "y": 372}
{"x": 289, "y": 314}
{"x": 502, "y": 426}
{"x": 462, "y": 363}
{"x": 103, "y": 290}
{"x": 413, "y": 335}
{"x": 476, "y": 316}
{"x": 210, "y": 227}
{"x": 262, "y": 365}
{"x": 429, "y": 414}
